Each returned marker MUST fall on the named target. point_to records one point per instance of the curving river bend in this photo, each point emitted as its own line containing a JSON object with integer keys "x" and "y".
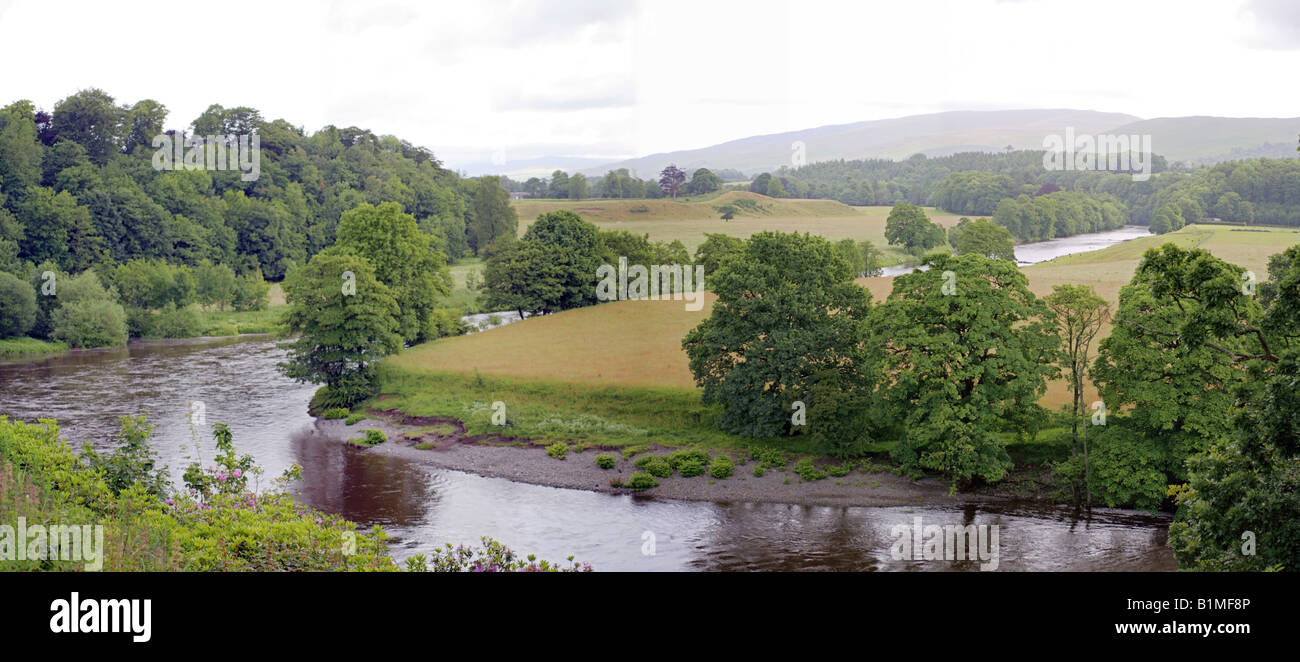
{"x": 422, "y": 507}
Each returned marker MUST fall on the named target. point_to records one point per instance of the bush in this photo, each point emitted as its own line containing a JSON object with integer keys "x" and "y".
{"x": 769, "y": 458}
{"x": 605, "y": 461}
{"x": 641, "y": 481}
{"x": 690, "y": 462}
{"x": 759, "y": 470}
{"x": 88, "y": 315}
{"x": 173, "y": 322}
{"x": 655, "y": 465}
{"x": 1124, "y": 471}
{"x": 353, "y": 419}
{"x": 375, "y": 437}
{"x": 335, "y": 413}
{"x": 634, "y": 450}
{"x": 807, "y": 470}
{"x": 721, "y": 466}
{"x": 347, "y": 393}
{"x": 839, "y": 470}
{"x": 558, "y": 450}
{"x": 17, "y": 306}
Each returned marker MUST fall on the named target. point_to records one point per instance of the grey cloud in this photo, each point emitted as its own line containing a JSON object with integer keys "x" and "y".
{"x": 1277, "y": 23}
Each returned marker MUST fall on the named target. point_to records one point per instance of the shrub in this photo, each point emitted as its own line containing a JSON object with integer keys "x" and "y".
{"x": 336, "y": 412}
{"x": 807, "y": 470}
{"x": 655, "y": 465}
{"x": 87, "y": 315}
{"x": 839, "y": 470}
{"x": 558, "y": 450}
{"x": 759, "y": 470}
{"x": 769, "y": 458}
{"x": 721, "y": 466}
{"x": 173, "y": 322}
{"x": 690, "y": 461}
{"x": 375, "y": 437}
{"x": 17, "y": 306}
{"x": 605, "y": 461}
{"x": 353, "y": 419}
{"x": 634, "y": 450}
{"x": 641, "y": 481}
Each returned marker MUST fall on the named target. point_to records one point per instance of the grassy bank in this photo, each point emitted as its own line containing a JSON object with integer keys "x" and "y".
{"x": 19, "y": 347}
{"x": 233, "y": 323}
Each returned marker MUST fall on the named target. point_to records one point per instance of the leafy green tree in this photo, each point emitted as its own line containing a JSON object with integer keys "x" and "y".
{"x": 250, "y": 293}
{"x": 20, "y": 151}
{"x": 523, "y": 277}
{"x": 405, "y": 259}
{"x": 346, "y": 320}
{"x": 559, "y": 187}
{"x": 963, "y": 344}
{"x": 494, "y": 217}
{"x": 575, "y": 248}
{"x": 982, "y": 237}
{"x": 1239, "y": 511}
{"x": 909, "y": 227}
{"x": 774, "y": 188}
{"x": 703, "y": 181}
{"x": 49, "y": 221}
{"x": 90, "y": 119}
{"x": 787, "y": 310}
{"x": 88, "y": 315}
{"x": 214, "y": 284}
{"x": 17, "y": 306}
{"x": 577, "y": 188}
{"x": 1080, "y": 314}
{"x": 1183, "y": 333}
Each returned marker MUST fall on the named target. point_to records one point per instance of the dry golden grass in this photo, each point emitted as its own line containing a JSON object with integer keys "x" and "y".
{"x": 688, "y": 222}
{"x": 638, "y": 343}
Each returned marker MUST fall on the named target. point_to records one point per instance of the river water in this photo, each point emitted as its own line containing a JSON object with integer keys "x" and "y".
{"x": 1043, "y": 251}
{"x": 423, "y": 507}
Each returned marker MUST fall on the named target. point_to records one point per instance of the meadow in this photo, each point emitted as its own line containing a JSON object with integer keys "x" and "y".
{"x": 596, "y": 361}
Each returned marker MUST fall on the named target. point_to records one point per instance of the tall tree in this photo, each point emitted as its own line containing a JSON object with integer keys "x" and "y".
{"x": 964, "y": 343}
{"x": 671, "y": 179}
{"x": 909, "y": 227}
{"x": 90, "y": 119}
{"x": 494, "y": 217}
{"x": 1080, "y": 314}
{"x": 788, "y": 316}
{"x": 345, "y": 321}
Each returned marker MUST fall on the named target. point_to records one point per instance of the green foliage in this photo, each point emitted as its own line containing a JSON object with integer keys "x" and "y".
{"x": 173, "y": 322}
{"x": 491, "y": 557}
{"x": 375, "y": 437}
{"x": 491, "y": 214}
{"x": 839, "y": 470}
{"x": 787, "y": 308}
{"x": 715, "y": 249}
{"x": 944, "y": 387}
{"x": 807, "y": 470}
{"x": 346, "y": 320}
{"x": 353, "y": 419}
{"x": 87, "y": 315}
{"x": 405, "y": 260}
{"x": 655, "y": 465}
{"x": 981, "y": 237}
{"x": 640, "y": 481}
{"x": 605, "y": 461}
{"x": 17, "y": 306}
{"x": 909, "y": 227}
{"x": 722, "y": 466}
{"x": 558, "y": 450}
{"x": 132, "y": 461}
{"x": 1126, "y": 472}
{"x": 336, "y": 412}
{"x": 1059, "y": 214}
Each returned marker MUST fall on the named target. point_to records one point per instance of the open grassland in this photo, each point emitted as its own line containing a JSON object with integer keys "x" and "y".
{"x": 666, "y": 220}
{"x": 22, "y": 347}
{"x": 565, "y": 361}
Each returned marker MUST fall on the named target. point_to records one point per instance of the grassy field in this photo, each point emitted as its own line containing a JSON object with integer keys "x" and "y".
{"x": 637, "y": 344}
{"x": 18, "y": 347}
{"x": 666, "y": 220}
{"x": 232, "y": 323}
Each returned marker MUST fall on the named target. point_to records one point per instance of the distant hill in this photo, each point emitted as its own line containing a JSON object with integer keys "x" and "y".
{"x": 1211, "y": 139}
{"x": 936, "y": 134}
{"x": 1195, "y": 139}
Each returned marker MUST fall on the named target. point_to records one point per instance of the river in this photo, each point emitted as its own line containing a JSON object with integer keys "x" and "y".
{"x": 1043, "y": 251}
{"x": 423, "y": 507}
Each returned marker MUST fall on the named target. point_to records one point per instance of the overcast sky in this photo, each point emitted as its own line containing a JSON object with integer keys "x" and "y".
{"x": 616, "y": 79}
